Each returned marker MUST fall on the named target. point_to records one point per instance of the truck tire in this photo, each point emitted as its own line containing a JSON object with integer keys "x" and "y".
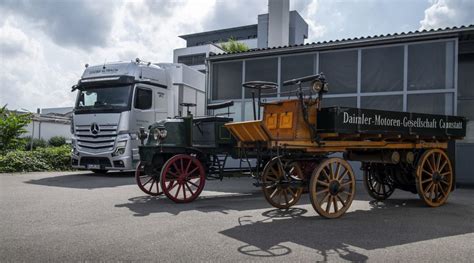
{"x": 99, "y": 171}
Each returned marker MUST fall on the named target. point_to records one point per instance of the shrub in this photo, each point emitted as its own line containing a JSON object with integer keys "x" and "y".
{"x": 233, "y": 45}
{"x": 42, "y": 159}
{"x": 57, "y": 141}
{"x": 11, "y": 127}
{"x": 37, "y": 143}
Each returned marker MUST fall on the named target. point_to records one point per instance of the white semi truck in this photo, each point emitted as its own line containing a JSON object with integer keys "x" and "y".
{"x": 114, "y": 100}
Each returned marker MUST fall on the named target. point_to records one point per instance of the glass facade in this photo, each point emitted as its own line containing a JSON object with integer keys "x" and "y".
{"x": 416, "y": 77}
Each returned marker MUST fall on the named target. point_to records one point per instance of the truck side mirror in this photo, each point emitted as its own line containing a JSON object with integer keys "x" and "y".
{"x": 142, "y": 135}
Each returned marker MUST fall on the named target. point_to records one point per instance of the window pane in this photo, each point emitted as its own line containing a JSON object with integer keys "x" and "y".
{"x": 263, "y": 70}
{"x": 466, "y": 75}
{"x": 392, "y": 102}
{"x": 341, "y": 102}
{"x": 340, "y": 69}
{"x": 431, "y": 66}
{"x": 143, "y": 99}
{"x": 382, "y": 69}
{"x": 466, "y": 108}
{"x": 227, "y": 81}
{"x": 191, "y": 60}
{"x": 295, "y": 67}
{"x": 431, "y": 103}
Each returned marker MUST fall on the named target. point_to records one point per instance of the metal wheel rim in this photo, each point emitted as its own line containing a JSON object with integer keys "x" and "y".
{"x": 149, "y": 184}
{"x": 326, "y": 200}
{"x": 434, "y": 177}
{"x": 377, "y": 190}
{"x": 278, "y": 196}
{"x": 182, "y": 178}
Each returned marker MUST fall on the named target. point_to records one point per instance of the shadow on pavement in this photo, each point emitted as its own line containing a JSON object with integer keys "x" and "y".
{"x": 87, "y": 181}
{"x": 390, "y": 223}
{"x": 146, "y": 205}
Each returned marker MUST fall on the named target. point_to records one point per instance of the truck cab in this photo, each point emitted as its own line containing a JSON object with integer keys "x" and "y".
{"x": 114, "y": 100}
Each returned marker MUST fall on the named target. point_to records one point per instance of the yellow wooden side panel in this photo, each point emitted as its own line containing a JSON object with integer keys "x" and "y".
{"x": 271, "y": 121}
{"x": 286, "y": 120}
{"x": 248, "y": 131}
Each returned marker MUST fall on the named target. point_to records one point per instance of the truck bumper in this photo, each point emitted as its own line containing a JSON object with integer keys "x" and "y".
{"x": 102, "y": 162}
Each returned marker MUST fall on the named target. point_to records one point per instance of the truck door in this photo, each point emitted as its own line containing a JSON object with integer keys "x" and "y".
{"x": 143, "y": 114}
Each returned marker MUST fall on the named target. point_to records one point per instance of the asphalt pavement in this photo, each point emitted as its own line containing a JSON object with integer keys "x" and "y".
{"x": 78, "y": 216}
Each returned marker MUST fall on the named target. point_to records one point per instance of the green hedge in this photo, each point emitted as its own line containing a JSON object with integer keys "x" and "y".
{"x": 42, "y": 159}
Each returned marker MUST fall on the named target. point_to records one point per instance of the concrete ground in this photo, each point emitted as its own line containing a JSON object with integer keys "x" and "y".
{"x": 77, "y": 216}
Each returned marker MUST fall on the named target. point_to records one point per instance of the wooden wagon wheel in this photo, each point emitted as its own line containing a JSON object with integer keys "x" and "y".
{"x": 148, "y": 183}
{"x": 434, "y": 177}
{"x": 182, "y": 178}
{"x": 332, "y": 187}
{"x": 277, "y": 188}
{"x": 378, "y": 184}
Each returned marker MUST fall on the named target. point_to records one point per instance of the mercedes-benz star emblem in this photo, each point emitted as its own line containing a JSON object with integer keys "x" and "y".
{"x": 95, "y": 128}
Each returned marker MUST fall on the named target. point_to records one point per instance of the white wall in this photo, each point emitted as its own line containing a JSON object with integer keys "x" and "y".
{"x": 46, "y": 130}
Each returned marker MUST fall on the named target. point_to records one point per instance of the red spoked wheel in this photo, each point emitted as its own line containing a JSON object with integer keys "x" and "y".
{"x": 148, "y": 183}
{"x": 182, "y": 178}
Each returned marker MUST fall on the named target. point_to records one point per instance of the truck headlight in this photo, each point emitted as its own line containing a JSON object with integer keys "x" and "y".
{"x": 120, "y": 148}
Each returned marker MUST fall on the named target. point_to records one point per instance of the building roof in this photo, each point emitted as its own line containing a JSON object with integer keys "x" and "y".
{"x": 348, "y": 42}
{"x": 187, "y": 36}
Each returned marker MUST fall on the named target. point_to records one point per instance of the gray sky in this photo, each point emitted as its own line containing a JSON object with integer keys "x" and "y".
{"x": 44, "y": 44}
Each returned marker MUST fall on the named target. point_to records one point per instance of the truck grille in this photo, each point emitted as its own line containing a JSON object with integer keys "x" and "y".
{"x": 103, "y": 141}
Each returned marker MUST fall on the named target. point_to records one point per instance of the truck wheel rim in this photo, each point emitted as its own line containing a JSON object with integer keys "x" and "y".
{"x": 277, "y": 193}
{"x": 332, "y": 187}
{"x": 149, "y": 184}
{"x": 434, "y": 177}
{"x": 182, "y": 178}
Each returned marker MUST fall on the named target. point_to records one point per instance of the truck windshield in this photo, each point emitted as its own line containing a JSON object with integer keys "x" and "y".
{"x": 115, "y": 98}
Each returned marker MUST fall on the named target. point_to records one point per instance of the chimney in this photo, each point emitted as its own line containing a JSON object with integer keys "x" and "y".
{"x": 278, "y": 22}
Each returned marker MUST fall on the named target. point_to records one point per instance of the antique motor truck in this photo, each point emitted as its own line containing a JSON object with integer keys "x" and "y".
{"x": 295, "y": 142}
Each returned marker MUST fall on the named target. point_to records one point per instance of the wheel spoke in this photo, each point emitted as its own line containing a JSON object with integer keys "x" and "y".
{"x": 328, "y": 206}
{"x": 331, "y": 172}
{"x": 184, "y": 191}
{"x": 178, "y": 171}
{"x": 340, "y": 199}
{"x": 151, "y": 178}
{"x": 192, "y": 171}
{"x": 428, "y": 188}
{"x": 425, "y": 181}
{"x": 336, "y": 175}
{"x": 293, "y": 194}
{"x": 443, "y": 191}
{"x": 172, "y": 185}
{"x": 443, "y": 165}
{"x": 177, "y": 191}
{"x": 189, "y": 181}
{"x": 323, "y": 183}
{"x": 189, "y": 165}
{"x": 189, "y": 188}
{"x": 324, "y": 198}
{"x": 285, "y": 194}
{"x": 151, "y": 186}
{"x": 274, "y": 192}
{"x": 446, "y": 173}
{"x": 430, "y": 166}
{"x": 342, "y": 175}
{"x": 438, "y": 162}
{"x": 334, "y": 200}
{"x": 275, "y": 172}
{"x": 325, "y": 190}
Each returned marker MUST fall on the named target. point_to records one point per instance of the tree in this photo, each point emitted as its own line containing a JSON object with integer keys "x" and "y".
{"x": 233, "y": 45}
{"x": 12, "y": 125}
